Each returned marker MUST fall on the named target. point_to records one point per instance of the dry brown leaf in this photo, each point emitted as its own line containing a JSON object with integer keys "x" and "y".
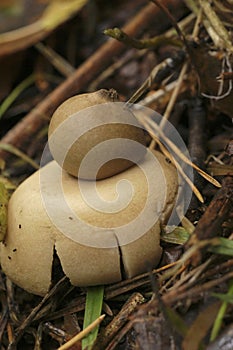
{"x": 198, "y": 330}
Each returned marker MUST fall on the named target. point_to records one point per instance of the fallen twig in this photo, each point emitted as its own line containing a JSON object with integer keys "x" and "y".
{"x": 20, "y": 135}
{"x": 209, "y": 225}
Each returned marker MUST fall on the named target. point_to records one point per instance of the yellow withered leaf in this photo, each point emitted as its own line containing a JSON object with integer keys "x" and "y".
{"x": 58, "y": 11}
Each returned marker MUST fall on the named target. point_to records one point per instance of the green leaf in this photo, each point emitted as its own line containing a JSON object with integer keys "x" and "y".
{"x": 93, "y": 307}
{"x": 9, "y": 186}
{"x": 178, "y": 235}
{"x": 3, "y": 210}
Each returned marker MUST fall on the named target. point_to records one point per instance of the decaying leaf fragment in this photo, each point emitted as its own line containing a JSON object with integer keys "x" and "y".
{"x": 211, "y": 67}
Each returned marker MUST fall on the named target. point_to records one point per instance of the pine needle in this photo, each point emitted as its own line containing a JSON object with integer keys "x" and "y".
{"x": 82, "y": 334}
{"x": 147, "y": 122}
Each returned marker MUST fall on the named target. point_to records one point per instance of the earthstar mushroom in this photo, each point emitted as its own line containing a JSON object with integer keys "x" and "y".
{"x": 94, "y": 246}
{"x": 77, "y": 117}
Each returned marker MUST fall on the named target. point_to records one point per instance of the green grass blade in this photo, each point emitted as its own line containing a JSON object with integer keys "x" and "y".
{"x": 176, "y": 321}
{"x": 15, "y": 93}
{"x": 13, "y": 150}
{"x": 225, "y": 247}
{"x": 224, "y": 297}
{"x": 219, "y": 319}
{"x": 93, "y": 307}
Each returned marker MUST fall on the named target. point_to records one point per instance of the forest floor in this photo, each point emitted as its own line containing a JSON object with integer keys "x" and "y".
{"x": 175, "y": 59}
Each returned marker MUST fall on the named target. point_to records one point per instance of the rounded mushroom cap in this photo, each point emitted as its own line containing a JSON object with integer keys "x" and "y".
{"x": 96, "y": 242}
{"x": 92, "y": 122}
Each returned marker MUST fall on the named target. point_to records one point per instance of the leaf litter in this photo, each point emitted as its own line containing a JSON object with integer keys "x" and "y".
{"x": 184, "y": 304}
